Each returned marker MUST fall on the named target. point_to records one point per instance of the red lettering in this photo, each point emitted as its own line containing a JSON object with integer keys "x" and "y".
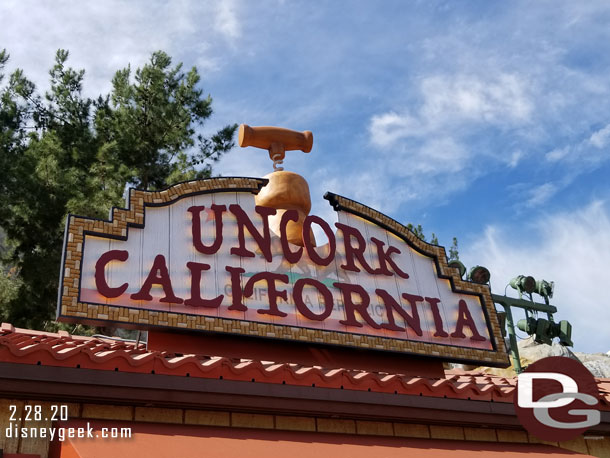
{"x": 348, "y": 290}
{"x": 438, "y": 320}
{"x": 465, "y": 319}
{"x": 270, "y": 278}
{"x": 195, "y": 300}
{"x": 391, "y": 304}
{"x": 291, "y": 257}
{"x": 353, "y": 252}
{"x": 236, "y": 304}
{"x": 244, "y": 222}
{"x": 196, "y": 228}
{"x": 100, "y": 277}
{"x": 385, "y": 259}
{"x": 158, "y": 275}
{"x": 310, "y": 246}
{"x": 297, "y": 294}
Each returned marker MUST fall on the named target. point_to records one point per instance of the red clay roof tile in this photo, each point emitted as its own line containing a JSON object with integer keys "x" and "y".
{"x": 26, "y": 346}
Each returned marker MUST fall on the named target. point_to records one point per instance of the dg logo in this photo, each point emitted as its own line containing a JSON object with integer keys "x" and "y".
{"x": 556, "y": 399}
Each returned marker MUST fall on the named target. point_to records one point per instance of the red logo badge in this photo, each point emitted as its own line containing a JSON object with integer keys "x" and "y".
{"x": 556, "y": 399}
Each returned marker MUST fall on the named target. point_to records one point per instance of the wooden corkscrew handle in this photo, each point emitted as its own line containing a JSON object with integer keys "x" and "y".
{"x": 276, "y": 140}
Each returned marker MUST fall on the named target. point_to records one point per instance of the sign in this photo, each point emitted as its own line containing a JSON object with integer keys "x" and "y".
{"x": 202, "y": 256}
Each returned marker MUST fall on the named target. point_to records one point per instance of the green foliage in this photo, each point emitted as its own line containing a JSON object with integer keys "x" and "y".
{"x": 62, "y": 153}
{"x": 9, "y": 278}
{"x": 419, "y": 232}
{"x": 453, "y": 251}
{"x": 9, "y": 286}
{"x": 153, "y": 121}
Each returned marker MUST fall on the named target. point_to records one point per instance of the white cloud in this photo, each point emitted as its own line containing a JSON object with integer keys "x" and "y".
{"x": 451, "y": 101}
{"x": 529, "y": 97}
{"x": 557, "y": 154}
{"x": 540, "y": 194}
{"x": 251, "y": 162}
{"x": 585, "y": 154}
{"x": 226, "y": 19}
{"x": 501, "y": 99}
{"x": 429, "y": 145}
{"x": 417, "y": 174}
{"x": 105, "y": 36}
{"x": 515, "y": 158}
{"x": 364, "y": 187}
{"x": 570, "y": 248}
{"x": 387, "y": 128}
{"x": 435, "y": 157}
{"x": 599, "y": 139}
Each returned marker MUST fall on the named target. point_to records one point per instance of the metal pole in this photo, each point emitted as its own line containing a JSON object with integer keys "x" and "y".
{"x": 521, "y": 303}
{"x": 514, "y": 350}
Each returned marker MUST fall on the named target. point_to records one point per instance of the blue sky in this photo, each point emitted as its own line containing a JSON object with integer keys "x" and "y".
{"x": 484, "y": 120}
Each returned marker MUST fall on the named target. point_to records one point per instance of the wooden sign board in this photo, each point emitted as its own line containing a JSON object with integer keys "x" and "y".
{"x": 200, "y": 256}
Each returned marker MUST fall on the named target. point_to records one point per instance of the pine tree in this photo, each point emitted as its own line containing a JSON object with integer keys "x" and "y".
{"x": 62, "y": 153}
{"x": 419, "y": 232}
{"x": 453, "y": 251}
